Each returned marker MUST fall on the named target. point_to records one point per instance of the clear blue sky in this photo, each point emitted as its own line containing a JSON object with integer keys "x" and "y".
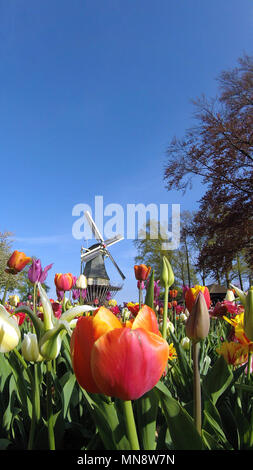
{"x": 92, "y": 92}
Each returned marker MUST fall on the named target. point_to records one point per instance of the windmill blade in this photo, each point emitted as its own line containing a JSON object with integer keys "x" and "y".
{"x": 94, "y": 228}
{"x": 115, "y": 264}
{"x": 90, "y": 254}
{"x": 113, "y": 240}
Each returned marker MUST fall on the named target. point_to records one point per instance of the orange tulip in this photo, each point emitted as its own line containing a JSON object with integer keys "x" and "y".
{"x": 141, "y": 272}
{"x": 173, "y": 293}
{"x": 117, "y": 360}
{"x": 63, "y": 282}
{"x": 192, "y": 293}
{"x": 17, "y": 262}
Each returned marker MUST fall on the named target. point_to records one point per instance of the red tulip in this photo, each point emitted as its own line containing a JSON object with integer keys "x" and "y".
{"x": 192, "y": 293}
{"x": 63, "y": 282}
{"x": 118, "y": 361}
{"x": 17, "y": 262}
{"x": 141, "y": 272}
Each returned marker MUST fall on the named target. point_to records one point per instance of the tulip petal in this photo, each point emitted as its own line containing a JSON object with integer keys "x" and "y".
{"x": 126, "y": 363}
{"x": 147, "y": 320}
{"x": 103, "y": 321}
{"x": 81, "y": 344}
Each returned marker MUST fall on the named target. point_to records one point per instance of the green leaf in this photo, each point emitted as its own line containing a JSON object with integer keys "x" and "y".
{"x": 210, "y": 441}
{"x": 180, "y": 424}
{"x": 147, "y": 408}
{"x": 229, "y": 424}
{"x": 4, "y": 443}
{"x": 67, "y": 382}
{"x": 212, "y": 418}
{"x": 218, "y": 379}
{"x": 109, "y": 421}
{"x": 149, "y": 299}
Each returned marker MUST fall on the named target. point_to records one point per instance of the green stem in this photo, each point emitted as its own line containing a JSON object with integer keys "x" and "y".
{"x": 63, "y": 302}
{"x": 130, "y": 425}
{"x": 196, "y": 386}
{"x": 140, "y": 297}
{"x": 165, "y": 312}
{"x": 35, "y": 407}
{"x": 50, "y": 417}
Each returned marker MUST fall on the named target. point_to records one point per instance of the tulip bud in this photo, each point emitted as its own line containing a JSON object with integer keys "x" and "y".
{"x": 185, "y": 343}
{"x": 141, "y": 272}
{"x": 30, "y": 348}
{"x": 198, "y": 323}
{"x": 17, "y": 262}
{"x": 50, "y": 343}
{"x": 81, "y": 282}
{"x": 248, "y": 315}
{"x": 9, "y": 331}
{"x": 191, "y": 294}
{"x": 230, "y": 295}
{"x": 167, "y": 275}
{"x": 240, "y": 293}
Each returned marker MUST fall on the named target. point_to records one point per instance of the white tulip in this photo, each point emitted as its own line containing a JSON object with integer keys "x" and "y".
{"x": 9, "y": 331}
{"x": 81, "y": 282}
{"x": 30, "y": 348}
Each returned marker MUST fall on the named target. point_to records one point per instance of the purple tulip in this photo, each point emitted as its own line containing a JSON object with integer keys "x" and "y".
{"x": 35, "y": 272}
{"x": 108, "y": 295}
{"x": 157, "y": 289}
{"x": 60, "y": 294}
{"x": 140, "y": 284}
{"x": 75, "y": 294}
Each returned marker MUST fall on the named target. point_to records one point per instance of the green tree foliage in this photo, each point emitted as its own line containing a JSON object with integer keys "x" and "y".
{"x": 12, "y": 281}
{"x": 150, "y": 251}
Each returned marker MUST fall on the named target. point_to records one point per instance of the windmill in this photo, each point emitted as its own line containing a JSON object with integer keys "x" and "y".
{"x": 98, "y": 281}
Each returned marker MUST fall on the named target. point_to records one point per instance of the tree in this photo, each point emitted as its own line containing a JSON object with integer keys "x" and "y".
{"x": 219, "y": 150}
{"x": 10, "y": 281}
{"x": 150, "y": 252}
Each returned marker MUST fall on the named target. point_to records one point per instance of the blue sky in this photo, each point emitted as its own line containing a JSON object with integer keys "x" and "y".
{"x": 91, "y": 93}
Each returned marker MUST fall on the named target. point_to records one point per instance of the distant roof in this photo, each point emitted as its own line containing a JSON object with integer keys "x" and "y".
{"x": 217, "y": 289}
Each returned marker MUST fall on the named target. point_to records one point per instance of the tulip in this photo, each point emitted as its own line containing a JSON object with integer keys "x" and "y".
{"x": 233, "y": 353}
{"x": 64, "y": 282}
{"x": 198, "y": 322}
{"x": 167, "y": 278}
{"x": 197, "y": 328}
{"x": 141, "y": 272}
{"x": 140, "y": 284}
{"x": 117, "y": 361}
{"x": 133, "y": 307}
{"x": 240, "y": 293}
{"x": 230, "y": 295}
{"x": 9, "y": 331}
{"x": 30, "y": 348}
{"x": 192, "y": 293}
{"x": 81, "y": 282}
{"x": 17, "y": 262}
{"x": 36, "y": 274}
{"x": 185, "y": 343}
{"x": 173, "y": 293}
{"x": 14, "y": 300}
{"x": 167, "y": 275}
